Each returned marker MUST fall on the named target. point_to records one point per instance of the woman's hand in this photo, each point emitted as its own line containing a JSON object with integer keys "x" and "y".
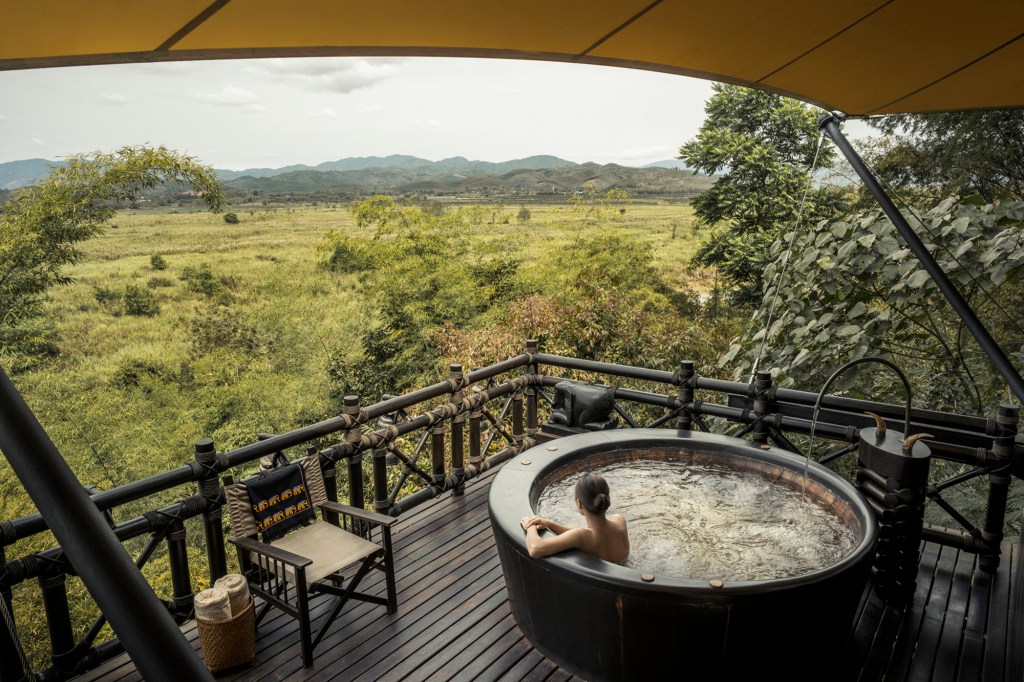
{"x": 537, "y": 521}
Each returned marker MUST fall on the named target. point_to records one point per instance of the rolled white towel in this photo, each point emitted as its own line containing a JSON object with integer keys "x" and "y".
{"x": 213, "y": 605}
{"x": 238, "y": 591}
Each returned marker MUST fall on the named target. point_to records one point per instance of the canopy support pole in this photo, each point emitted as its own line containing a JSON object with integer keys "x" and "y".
{"x": 149, "y": 634}
{"x": 830, "y": 124}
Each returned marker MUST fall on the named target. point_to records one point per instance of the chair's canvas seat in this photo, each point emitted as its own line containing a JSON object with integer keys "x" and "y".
{"x": 329, "y": 548}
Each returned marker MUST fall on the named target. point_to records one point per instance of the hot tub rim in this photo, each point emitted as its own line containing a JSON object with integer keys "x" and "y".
{"x": 506, "y": 512}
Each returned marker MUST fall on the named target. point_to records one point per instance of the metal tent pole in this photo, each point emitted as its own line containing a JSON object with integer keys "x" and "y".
{"x": 149, "y": 634}
{"x": 830, "y": 124}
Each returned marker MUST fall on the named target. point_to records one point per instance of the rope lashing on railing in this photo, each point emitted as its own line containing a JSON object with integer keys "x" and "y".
{"x": 458, "y": 382}
{"x": 360, "y": 442}
{"x": 203, "y": 469}
{"x": 8, "y": 534}
{"x": 34, "y": 566}
{"x": 184, "y": 510}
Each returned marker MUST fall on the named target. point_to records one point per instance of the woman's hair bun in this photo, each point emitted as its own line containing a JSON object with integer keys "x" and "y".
{"x": 592, "y": 492}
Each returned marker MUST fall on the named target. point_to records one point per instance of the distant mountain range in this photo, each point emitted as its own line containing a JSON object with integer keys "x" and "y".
{"x": 15, "y": 174}
{"x": 667, "y": 163}
{"x": 403, "y": 174}
{"x": 455, "y": 164}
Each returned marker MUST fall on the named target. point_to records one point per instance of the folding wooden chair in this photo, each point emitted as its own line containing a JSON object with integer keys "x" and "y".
{"x": 287, "y": 554}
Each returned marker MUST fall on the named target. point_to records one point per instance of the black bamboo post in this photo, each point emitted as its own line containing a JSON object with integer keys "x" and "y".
{"x": 213, "y": 517}
{"x": 437, "y": 454}
{"x": 458, "y": 430}
{"x": 355, "y": 460}
{"x": 999, "y": 479}
{"x": 380, "y": 478}
{"x": 518, "y": 423}
{"x": 762, "y": 406}
{"x": 686, "y": 375}
{"x": 149, "y": 634}
{"x": 829, "y": 123}
{"x": 476, "y": 457}
{"x": 53, "y": 584}
{"x": 181, "y": 578}
{"x": 531, "y": 390}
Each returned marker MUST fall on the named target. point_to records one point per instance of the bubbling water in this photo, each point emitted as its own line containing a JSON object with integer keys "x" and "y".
{"x": 709, "y": 521}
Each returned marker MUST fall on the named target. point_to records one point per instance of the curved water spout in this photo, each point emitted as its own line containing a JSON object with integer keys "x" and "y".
{"x": 835, "y": 375}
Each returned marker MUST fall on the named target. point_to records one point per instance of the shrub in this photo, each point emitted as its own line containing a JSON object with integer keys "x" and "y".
{"x": 523, "y": 215}
{"x": 138, "y": 301}
{"x": 159, "y": 282}
{"x": 157, "y": 262}
{"x": 201, "y": 279}
{"x": 231, "y": 218}
{"x": 105, "y": 296}
{"x": 222, "y": 327}
{"x": 344, "y": 254}
{"x": 132, "y": 371}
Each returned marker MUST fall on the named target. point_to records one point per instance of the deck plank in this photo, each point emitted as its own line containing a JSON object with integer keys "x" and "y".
{"x": 902, "y": 654}
{"x": 456, "y": 632}
{"x": 973, "y": 651}
{"x": 994, "y": 667}
{"x": 934, "y": 615}
{"x": 454, "y": 620}
{"x": 947, "y": 656}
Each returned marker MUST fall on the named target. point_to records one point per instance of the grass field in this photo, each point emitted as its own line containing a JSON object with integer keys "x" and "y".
{"x": 129, "y": 394}
{"x": 241, "y": 350}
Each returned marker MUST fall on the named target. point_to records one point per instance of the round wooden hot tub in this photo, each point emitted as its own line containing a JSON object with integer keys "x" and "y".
{"x": 603, "y": 621}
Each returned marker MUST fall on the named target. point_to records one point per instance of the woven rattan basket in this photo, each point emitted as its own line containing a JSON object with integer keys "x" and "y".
{"x": 229, "y": 643}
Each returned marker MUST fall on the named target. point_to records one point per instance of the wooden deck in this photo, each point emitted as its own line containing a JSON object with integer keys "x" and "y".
{"x": 454, "y": 621}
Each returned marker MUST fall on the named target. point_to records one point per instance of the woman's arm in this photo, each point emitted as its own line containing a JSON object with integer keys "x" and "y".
{"x": 538, "y": 546}
{"x": 542, "y": 522}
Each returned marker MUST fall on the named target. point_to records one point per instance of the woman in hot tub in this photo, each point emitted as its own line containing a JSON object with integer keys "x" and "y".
{"x": 604, "y": 536}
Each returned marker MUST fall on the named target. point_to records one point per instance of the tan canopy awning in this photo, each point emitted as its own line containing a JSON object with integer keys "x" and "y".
{"x": 857, "y": 56}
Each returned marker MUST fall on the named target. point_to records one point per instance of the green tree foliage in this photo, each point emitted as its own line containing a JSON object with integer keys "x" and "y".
{"x": 763, "y": 146}
{"x": 601, "y": 297}
{"x": 446, "y": 290}
{"x": 42, "y": 226}
{"x": 931, "y": 156}
{"x": 231, "y": 218}
{"x": 420, "y": 273}
{"x": 854, "y": 291}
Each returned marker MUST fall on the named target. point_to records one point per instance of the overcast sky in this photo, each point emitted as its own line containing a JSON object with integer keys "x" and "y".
{"x": 275, "y": 112}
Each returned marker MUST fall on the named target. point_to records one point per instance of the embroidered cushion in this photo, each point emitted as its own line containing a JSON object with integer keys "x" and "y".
{"x": 280, "y": 501}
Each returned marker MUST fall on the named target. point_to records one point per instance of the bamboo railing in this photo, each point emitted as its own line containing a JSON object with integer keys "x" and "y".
{"x": 445, "y": 435}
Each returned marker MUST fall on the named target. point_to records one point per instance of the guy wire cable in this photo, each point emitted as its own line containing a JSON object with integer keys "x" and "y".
{"x": 785, "y": 258}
